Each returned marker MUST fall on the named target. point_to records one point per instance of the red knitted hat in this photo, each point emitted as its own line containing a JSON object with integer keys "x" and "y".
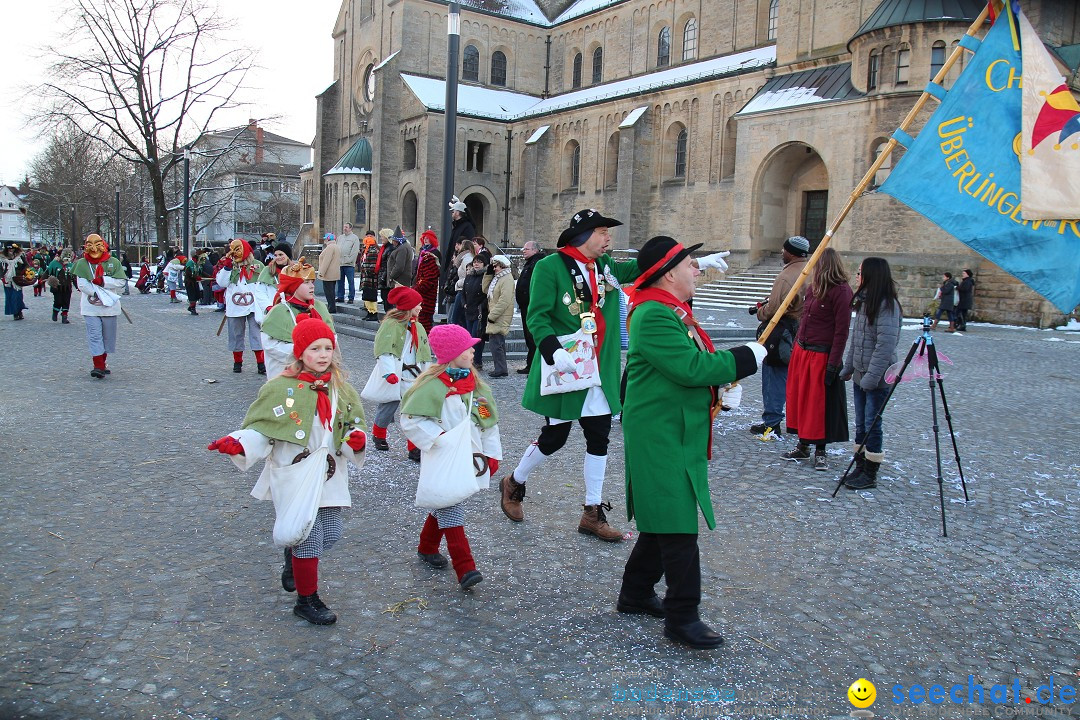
{"x": 308, "y": 331}
{"x": 404, "y": 298}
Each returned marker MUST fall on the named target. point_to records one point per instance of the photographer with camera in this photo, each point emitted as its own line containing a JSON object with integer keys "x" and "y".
{"x": 779, "y": 343}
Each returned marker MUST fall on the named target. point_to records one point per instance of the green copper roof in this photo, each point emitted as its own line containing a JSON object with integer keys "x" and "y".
{"x": 356, "y": 161}
{"x": 905, "y": 12}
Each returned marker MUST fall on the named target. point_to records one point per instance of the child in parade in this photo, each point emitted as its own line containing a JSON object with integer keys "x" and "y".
{"x": 39, "y": 277}
{"x": 238, "y": 273}
{"x": 281, "y": 258}
{"x": 445, "y": 396}
{"x": 192, "y": 282}
{"x": 61, "y": 277}
{"x": 307, "y": 410}
{"x": 401, "y": 354}
{"x": 294, "y": 301}
{"x": 98, "y": 275}
{"x": 174, "y": 271}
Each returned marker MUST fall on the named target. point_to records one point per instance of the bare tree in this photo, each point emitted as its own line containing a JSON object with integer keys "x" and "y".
{"x": 141, "y": 77}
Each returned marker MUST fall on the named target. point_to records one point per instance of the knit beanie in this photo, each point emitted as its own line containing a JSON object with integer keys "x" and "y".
{"x": 449, "y": 341}
{"x": 404, "y": 298}
{"x": 308, "y": 331}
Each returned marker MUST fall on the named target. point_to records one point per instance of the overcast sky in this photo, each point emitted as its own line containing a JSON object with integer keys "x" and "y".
{"x": 295, "y": 54}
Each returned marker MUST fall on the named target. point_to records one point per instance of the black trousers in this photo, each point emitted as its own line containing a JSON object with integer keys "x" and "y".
{"x": 530, "y": 344}
{"x": 596, "y": 428}
{"x": 674, "y": 557}
{"x": 329, "y": 288}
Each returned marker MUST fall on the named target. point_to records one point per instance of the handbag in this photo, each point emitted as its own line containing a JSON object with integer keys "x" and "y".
{"x": 780, "y": 341}
{"x": 582, "y": 349}
{"x": 377, "y": 390}
{"x": 447, "y": 475}
{"x": 297, "y": 492}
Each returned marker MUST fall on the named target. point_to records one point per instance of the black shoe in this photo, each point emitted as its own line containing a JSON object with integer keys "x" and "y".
{"x": 649, "y": 606}
{"x": 64, "y": 320}
{"x": 820, "y": 463}
{"x": 497, "y": 374}
{"x": 696, "y": 634}
{"x": 96, "y": 373}
{"x": 760, "y": 428}
{"x": 435, "y": 560}
{"x": 312, "y": 609}
{"x": 801, "y": 452}
{"x": 867, "y": 478}
{"x": 107, "y": 371}
{"x": 471, "y": 578}
{"x": 523, "y": 371}
{"x": 262, "y": 368}
{"x": 380, "y": 443}
{"x": 372, "y": 316}
{"x": 55, "y": 314}
{"x": 288, "y": 583}
{"x": 414, "y": 455}
{"x": 193, "y": 311}
{"x": 236, "y": 367}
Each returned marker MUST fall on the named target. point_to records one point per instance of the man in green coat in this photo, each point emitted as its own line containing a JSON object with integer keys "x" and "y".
{"x": 673, "y": 374}
{"x": 574, "y": 289}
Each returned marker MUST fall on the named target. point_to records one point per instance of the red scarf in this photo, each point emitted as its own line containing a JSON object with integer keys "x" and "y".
{"x": 378, "y": 260}
{"x": 304, "y": 310}
{"x": 247, "y": 270}
{"x": 321, "y": 386}
{"x": 686, "y": 314}
{"x": 415, "y": 336}
{"x": 463, "y": 386}
{"x": 96, "y": 264}
{"x": 590, "y": 265}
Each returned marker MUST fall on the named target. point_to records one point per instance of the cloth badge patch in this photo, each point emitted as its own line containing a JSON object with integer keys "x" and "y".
{"x": 289, "y": 402}
{"x": 279, "y": 411}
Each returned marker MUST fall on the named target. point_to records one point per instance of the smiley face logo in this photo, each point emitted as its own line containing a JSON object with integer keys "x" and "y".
{"x": 862, "y": 693}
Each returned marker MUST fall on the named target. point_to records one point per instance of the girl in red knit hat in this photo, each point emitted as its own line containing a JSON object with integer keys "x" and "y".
{"x": 305, "y": 423}
{"x": 401, "y": 354}
{"x": 450, "y": 415}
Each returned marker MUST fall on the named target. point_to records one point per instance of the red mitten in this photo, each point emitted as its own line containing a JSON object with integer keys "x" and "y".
{"x": 493, "y": 466}
{"x": 391, "y": 378}
{"x": 227, "y": 263}
{"x": 227, "y": 445}
{"x": 357, "y": 440}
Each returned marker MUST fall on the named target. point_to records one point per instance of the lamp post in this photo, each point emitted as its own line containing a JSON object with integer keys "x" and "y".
{"x": 453, "y": 39}
{"x": 74, "y": 234}
{"x": 116, "y": 227}
{"x": 187, "y": 198}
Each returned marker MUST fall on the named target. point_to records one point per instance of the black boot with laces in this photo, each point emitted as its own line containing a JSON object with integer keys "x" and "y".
{"x": 314, "y": 610}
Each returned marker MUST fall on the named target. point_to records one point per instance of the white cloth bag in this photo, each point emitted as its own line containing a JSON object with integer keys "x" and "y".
{"x": 297, "y": 492}
{"x": 377, "y": 390}
{"x": 447, "y": 475}
{"x": 582, "y": 348}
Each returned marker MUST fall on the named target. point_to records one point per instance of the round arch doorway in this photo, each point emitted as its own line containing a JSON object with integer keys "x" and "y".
{"x": 791, "y": 197}
{"x": 477, "y": 205}
{"x": 409, "y": 215}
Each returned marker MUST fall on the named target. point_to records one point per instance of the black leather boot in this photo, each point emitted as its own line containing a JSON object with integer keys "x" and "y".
{"x": 314, "y": 610}
{"x": 287, "y": 581}
{"x": 237, "y": 367}
{"x": 261, "y": 368}
{"x": 868, "y": 479}
{"x": 857, "y": 470}
{"x": 695, "y": 634}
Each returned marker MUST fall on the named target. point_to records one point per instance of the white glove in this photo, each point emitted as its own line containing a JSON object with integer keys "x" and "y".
{"x": 563, "y": 362}
{"x": 715, "y": 261}
{"x": 759, "y": 351}
{"x": 732, "y": 397}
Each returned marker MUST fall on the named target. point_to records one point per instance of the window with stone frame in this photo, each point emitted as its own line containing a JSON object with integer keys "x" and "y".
{"x": 663, "y": 47}
{"x": 470, "y": 65}
{"x": 576, "y": 80}
{"x": 886, "y": 167}
{"x": 476, "y": 155}
{"x": 359, "y": 211}
{"x": 774, "y": 18}
{"x": 409, "y": 156}
{"x": 903, "y": 65}
{"x": 873, "y": 68}
{"x": 689, "y": 40}
{"x": 498, "y": 68}
{"x": 597, "y": 66}
{"x": 937, "y": 58}
{"x": 680, "y": 154}
{"x": 611, "y": 162}
{"x": 572, "y": 165}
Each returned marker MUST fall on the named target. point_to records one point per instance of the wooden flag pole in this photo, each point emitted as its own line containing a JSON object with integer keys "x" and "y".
{"x": 865, "y": 182}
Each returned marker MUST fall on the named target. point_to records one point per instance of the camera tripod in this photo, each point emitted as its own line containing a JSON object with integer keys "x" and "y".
{"x": 923, "y": 344}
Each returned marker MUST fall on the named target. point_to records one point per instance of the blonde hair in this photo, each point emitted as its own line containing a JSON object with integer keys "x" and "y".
{"x": 829, "y": 273}
{"x": 338, "y": 374}
{"x": 397, "y": 314}
{"x": 434, "y": 371}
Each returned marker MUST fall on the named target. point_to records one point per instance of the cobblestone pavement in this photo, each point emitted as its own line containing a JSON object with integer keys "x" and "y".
{"x": 142, "y": 581}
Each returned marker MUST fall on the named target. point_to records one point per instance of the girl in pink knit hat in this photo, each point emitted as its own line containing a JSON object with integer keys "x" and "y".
{"x": 450, "y": 414}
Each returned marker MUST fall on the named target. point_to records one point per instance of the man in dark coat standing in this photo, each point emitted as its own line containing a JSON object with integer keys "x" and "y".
{"x": 532, "y": 253}
{"x": 462, "y": 228}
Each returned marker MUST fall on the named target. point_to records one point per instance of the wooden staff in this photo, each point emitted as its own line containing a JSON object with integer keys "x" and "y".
{"x": 861, "y": 187}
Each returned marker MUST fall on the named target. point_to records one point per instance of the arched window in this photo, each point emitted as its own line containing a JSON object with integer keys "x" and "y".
{"x": 886, "y": 167}
{"x": 680, "y": 154}
{"x": 663, "y": 47}
{"x": 597, "y": 66}
{"x": 611, "y": 165}
{"x": 689, "y": 40}
{"x": 470, "y": 66}
{"x": 359, "y": 211}
{"x": 572, "y": 165}
{"x": 937, "y": 58}
{"x": 408, "y": 161}
{"x": 577, "y": 71}
{"x": 498, "y": 68}
{"x": 774, "y": 18}
{"x": 873, "y": 67}
{"x": 903, "y": 65}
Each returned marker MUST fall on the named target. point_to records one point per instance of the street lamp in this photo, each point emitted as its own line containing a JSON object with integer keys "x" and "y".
{"x": 116, "y": 227}
{"x": 187, "y": 198}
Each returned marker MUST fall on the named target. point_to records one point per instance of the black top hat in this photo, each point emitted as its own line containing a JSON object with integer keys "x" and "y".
{"x": 584, "y": 221}
{"x": 653, "y": 252}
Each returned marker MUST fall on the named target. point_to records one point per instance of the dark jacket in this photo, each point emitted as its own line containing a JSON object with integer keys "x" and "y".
{"x": 967, "y": 294}
{"x": 947, "y": 288}
{"x": 473, "y": 290}
{"x": 462, "y": 229}
{"x": 871, "y": 349}
{"x": 401, "y": 266}
{"x": 825, "y": 322}
{"x": 521, "y": 292}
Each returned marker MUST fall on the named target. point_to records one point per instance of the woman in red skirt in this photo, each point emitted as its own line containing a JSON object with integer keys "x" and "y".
{"x": 816, "y": 402}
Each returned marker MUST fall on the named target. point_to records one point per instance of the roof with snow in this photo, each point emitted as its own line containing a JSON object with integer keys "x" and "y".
{"x": 355, "y": 161}
{"x": 545, "y": 13}
{"x": 807, "y": 87}
{"x": 506, "y": 105}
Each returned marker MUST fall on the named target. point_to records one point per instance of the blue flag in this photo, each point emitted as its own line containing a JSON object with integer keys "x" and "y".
{"x": 963, "y": 173}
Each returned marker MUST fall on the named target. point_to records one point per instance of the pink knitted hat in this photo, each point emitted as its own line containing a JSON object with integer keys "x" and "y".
{"x": 449, "y": 341}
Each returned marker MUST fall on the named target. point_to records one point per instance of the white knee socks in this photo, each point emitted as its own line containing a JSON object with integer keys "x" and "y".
{"x": 531, "y": 460}
{"x": 594, "y": 468}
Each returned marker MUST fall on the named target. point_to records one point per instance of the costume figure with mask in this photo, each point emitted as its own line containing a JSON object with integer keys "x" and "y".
{"x": 98, "y": 275}
{"x": 239, "y": 275}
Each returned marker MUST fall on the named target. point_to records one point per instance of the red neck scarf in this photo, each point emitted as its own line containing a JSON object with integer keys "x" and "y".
{"x": 415, "y": 336}
{"x": 378, "y": 260}
{"x": 302, "y": 307}
{"x": 321, "y": 386}
{"x": 97, "y": 263}
{"x": 247, "y": 270}
{"x": 701, "y": 338}
{"x": 590, "y": 266}
{"x": 464, "y": 386}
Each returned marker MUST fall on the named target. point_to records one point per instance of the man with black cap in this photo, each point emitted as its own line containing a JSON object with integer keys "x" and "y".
{"x": 774, "y": 368}
{"x": 571, "y": 290}
{"x": 673, "y": 379}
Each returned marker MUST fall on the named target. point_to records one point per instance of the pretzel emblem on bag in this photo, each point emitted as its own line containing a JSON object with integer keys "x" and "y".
{"x": 243, "y": 299}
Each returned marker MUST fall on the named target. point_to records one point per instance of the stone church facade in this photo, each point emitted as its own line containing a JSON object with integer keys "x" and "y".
{"x": 735, "y": 123}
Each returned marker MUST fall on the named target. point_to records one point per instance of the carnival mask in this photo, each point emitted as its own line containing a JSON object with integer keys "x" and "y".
{"x": 236, "y": 250}
{"x": 95, "y": 247}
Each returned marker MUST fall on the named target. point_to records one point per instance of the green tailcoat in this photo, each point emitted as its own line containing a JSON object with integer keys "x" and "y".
{"x": 666, "y": 420}
{"x": 279, "y": 322}
{"x": 549, "y": 316}
{"x": 273, "y": 416}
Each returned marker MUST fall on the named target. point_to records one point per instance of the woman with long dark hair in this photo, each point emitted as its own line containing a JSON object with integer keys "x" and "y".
{"x": 817, "y": 404}
{"x": 871, "y": 350}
